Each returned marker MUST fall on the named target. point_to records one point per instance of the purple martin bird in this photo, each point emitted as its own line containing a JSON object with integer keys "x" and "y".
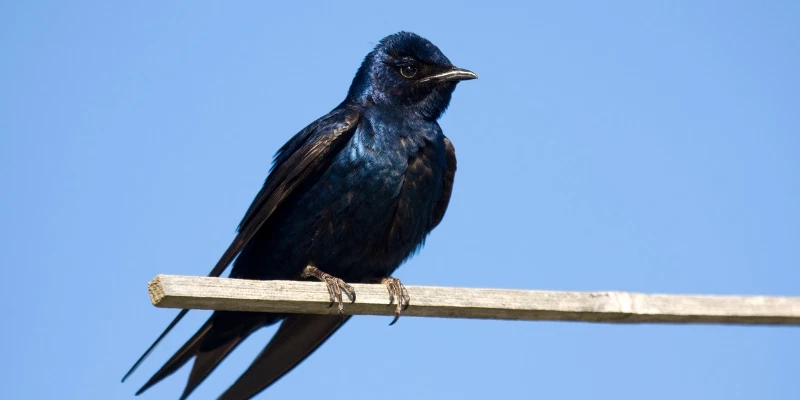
{"x": 348, "y": 199}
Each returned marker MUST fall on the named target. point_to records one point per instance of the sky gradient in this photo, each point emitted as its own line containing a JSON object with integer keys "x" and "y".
{"x": 636, "y": 146}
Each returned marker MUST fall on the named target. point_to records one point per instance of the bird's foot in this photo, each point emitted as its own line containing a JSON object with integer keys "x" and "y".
{"x": 335, "y": 286}
{"x": 396, "y": 292}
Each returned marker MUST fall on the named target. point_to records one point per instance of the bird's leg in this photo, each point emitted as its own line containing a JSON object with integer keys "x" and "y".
{"x": 396, "y": 292}
{"x": 334, "y": 284}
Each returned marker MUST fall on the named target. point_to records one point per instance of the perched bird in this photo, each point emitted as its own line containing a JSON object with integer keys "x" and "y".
{"x": 348, "y": 199}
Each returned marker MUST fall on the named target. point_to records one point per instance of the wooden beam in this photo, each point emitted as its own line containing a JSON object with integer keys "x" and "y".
{"x": 450, "y": 302}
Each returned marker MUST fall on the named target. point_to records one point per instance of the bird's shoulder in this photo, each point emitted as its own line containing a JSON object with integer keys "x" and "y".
{"x": 340, "y": 120}
{"x": 306, "y": 153}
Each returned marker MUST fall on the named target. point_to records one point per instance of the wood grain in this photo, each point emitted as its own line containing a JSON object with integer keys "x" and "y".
{"x": 173, "y": 291}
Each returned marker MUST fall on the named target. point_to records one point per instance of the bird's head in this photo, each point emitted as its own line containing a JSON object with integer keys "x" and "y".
{"x": 407, "y": 72}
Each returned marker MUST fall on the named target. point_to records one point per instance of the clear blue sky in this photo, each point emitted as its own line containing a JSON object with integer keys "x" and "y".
{"x": 640, "y": 146}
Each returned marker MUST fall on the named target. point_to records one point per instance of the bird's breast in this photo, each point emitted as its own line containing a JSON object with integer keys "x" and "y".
{"x": 365, "y": 214}
{"x": 382, "y": 190}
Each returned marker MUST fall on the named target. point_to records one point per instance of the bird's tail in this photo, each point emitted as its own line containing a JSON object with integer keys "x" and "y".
{"x": 223, "y": 331}
{"x": 298, "y": 337}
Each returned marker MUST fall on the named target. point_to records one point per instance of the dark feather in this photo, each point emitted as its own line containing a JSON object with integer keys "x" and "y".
{"x": 309, "y": 156}
{"x": 447, "y": 188}
{"x": 181, "y": 357}
{"x": 298, "y": 337}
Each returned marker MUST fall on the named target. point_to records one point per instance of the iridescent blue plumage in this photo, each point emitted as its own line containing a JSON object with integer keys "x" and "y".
{"x": 353, "y": 194}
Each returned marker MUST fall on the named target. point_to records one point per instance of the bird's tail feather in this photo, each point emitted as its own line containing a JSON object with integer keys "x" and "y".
{"x": 181, "y": 357}
{"x": 158, "y": 340}
{"x": 205, "y": 363}
{"x": 298, "y": 337}
{"x": 210, "y": 345}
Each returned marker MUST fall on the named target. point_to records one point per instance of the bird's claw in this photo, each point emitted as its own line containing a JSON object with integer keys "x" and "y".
{"x": 335, "y": 287}
{"x": 397, "y": 291}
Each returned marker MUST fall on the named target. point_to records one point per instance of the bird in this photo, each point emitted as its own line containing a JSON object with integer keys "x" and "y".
{"x": 349, "y": 198}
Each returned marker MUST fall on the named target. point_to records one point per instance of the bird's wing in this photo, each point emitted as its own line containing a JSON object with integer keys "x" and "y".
{"x": 299, "y": 160}
{"x": 321, "y": 141}
{"x": 298, "y": 337}
{"x": 447, "y": 188}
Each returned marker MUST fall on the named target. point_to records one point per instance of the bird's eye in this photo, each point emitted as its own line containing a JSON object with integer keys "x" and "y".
{"x": 408, "y": 71}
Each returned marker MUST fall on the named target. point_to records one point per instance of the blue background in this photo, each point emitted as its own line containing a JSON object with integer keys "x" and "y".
{"x": 638, "y": 146}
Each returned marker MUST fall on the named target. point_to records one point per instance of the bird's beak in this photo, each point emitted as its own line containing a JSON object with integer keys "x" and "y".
{"x": 454, "y": 74}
